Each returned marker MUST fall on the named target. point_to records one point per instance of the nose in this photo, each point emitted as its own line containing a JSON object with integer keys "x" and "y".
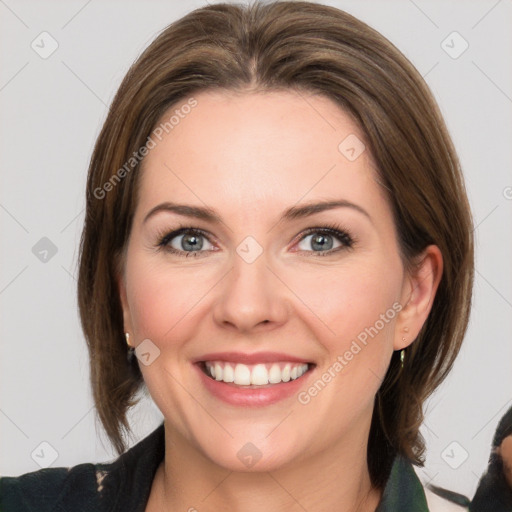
{"x": 252, "y": 297}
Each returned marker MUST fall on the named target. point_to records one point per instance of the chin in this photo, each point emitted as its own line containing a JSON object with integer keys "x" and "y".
{"x": 252, "y": 456}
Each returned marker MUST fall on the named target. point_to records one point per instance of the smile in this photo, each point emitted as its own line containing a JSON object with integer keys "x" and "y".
{"x": 260, "y": 374}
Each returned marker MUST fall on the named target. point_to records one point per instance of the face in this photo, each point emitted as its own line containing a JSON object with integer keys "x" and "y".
{"x": 264, "y": 289}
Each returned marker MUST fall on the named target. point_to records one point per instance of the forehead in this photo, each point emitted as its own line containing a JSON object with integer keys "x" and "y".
{"x": 239, "y": 151}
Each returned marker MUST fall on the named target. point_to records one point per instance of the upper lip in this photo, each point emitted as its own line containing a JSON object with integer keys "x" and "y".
{"x": 254, "y": 358}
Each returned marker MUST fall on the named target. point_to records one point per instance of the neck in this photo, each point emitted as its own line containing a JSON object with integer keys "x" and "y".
{"x": 336, "y": 479}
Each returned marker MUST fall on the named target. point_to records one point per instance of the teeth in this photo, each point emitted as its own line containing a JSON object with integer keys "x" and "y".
{"x": 229, "y": 374}
{"x": 275, "y": 374}
{"x": 259, "y": 375}
{"x": 256, "y": 375}
{"x": 242, "y": 375}
{"x": 218, "y": 371}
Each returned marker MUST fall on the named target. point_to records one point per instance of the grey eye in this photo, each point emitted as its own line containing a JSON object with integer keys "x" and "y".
{"x": 190, "y": 242}
{"x": 319, "y": 241}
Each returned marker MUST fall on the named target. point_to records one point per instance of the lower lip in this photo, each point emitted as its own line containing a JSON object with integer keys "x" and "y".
{"x": 252, "y": 397}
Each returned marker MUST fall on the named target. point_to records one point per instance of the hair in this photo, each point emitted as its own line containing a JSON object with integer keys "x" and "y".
{"x": 493, "y": 491}
{"x": 308, "y": 48}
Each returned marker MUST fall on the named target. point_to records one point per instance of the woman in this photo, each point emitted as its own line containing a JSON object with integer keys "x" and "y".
{"x": 278, "y": 248}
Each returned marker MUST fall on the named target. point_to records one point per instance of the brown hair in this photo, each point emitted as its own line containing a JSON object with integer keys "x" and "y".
{"x": 311, "y": 48}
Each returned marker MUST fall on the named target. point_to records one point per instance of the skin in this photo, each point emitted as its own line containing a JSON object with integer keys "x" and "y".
{"x": 250, "y": 156}
{"x": 505, "y": 451}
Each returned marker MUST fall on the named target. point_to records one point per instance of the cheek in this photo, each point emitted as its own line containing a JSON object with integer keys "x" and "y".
{"x": 355, "y": 294}
{"x": 356, "y": 303}
{"x": 157, "y": 298}
{"x": 163, "y": 297}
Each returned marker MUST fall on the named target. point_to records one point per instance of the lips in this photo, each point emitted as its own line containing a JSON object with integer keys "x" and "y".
{"x": 255, "y": 358}
{"x": 257, "y": 379}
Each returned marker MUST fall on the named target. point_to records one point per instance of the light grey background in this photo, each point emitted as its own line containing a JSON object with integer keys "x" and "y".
{"x": 51, "y": 112}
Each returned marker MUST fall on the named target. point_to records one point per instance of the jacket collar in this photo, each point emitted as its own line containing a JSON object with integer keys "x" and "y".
{"x": 129, "y": 478}
{"x": 403, "y": 490}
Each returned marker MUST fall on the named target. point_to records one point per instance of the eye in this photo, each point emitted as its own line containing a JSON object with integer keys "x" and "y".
{"x": 188, "y": 241}
{"x": 325, "y": 240}
{"x": 185, "y": 241}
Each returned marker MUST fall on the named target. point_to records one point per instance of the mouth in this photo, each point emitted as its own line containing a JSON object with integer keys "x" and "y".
{"x": 255, "y": 376}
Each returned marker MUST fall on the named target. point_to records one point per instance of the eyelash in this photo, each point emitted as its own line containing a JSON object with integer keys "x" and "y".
{"x": 343, "y": 235}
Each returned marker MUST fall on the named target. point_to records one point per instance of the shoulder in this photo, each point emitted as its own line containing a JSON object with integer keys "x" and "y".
{"x": 52, "y": 489}
{"x": 442, "y": 500}
{"x": 404, "y": 491}
{"x": 122, "y": 484}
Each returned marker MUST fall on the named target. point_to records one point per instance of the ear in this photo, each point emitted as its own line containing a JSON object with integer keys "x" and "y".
{"x": 418, "y": 293}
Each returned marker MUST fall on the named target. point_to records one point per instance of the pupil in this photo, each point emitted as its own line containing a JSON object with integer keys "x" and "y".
{"x": 191, "y": 242}
{"x": 322, "y": 242}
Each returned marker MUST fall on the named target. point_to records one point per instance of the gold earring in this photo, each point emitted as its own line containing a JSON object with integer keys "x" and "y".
{"x": 131, "y": 349}
{"x": 402, "y": 352}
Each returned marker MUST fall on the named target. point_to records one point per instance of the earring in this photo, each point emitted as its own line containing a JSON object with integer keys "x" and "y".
{"x": 402, "y": 352}
{"x": 131, "y": 349}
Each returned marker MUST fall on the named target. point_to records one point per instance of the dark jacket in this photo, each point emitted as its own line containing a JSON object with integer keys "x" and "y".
{"x": 124, "y": 484}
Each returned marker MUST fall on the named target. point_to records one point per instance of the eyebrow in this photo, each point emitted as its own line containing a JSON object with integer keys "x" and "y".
{"x": 293, "y": 213}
